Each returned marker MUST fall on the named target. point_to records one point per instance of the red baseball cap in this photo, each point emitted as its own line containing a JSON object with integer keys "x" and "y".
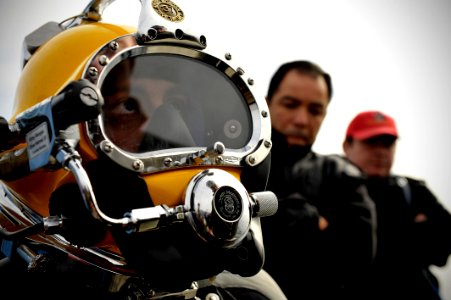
{"x": 371, "y": 123}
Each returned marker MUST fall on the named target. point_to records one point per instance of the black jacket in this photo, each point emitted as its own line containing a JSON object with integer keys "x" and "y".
{"x": 407, "y": 245}
{"x": 306, "y": 262}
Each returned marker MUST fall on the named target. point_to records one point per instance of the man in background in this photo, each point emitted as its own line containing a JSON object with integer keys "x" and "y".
{"x": 322, "y": 237}
{"x": 414, "y": 229}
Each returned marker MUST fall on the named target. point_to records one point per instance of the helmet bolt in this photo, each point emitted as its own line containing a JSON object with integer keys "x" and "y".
{"x": 219, "y": 160}
{"x": 103, "y": 60}
{"x": 107, "y": 148}
{"x": 114, "y": 45}
{"x": 93, "y": 72}
{"x": 138, "y": 165}
{"x": 212, "y": 296}
{"x": 167, "y": 161}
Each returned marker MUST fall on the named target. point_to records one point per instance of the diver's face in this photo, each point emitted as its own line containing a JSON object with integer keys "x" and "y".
{"x": 127, "y": 112}
{"x": 130, "y": 103}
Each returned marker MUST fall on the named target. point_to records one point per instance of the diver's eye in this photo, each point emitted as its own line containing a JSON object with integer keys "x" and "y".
{"x": 125, "y": 106}
{"x": 127, "y": 110}
{"x": 130, "y": 105}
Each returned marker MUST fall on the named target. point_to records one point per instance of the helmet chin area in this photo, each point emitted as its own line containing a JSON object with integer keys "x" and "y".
{"x": 217, "y": 229}
{"x": 214, "y": 228}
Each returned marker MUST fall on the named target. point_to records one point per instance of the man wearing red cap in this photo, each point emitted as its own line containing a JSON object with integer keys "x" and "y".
{"x": 414, "y": 229}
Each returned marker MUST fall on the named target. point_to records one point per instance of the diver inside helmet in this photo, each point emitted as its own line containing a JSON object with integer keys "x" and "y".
{"x": 157, "y": 102}
{"x": 180, "y": 130}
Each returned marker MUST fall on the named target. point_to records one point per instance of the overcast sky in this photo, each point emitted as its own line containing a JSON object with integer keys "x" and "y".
{"x": 392, "y": 55}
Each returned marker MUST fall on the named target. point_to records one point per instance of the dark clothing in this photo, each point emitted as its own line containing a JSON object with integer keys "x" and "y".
{"x": 407, "y": 248}
{"x": 308, "y": 263}
{"x": 91, "y": 283}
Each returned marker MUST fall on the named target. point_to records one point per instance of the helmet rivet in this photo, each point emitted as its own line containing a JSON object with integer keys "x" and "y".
{"x": 114, "y": 45}
{"x": 107, "y": 147}
{"x": 93, "y": 72}
{"x": 179, "y": 34}
{"x": 212, "y": 296}
{"x": 103, "y": 60}
{"x": 250, "y": 81}
{"x": 203, "y": 40}
{"x": 219, "y": 160}
{"x": 228, "y": 56}
{"x": 167, "y": 161}
{"x": 152, "y": 33}
{"x": 240, "y": 71}
{"x": 251, "y": 159}
{"x": 264, "y": 113}
{"x": 138, "y": 165}
{"x": 267, "y": 144}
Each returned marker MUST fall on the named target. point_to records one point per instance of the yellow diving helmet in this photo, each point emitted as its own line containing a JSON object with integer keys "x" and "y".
{"x": 166, "y": 181}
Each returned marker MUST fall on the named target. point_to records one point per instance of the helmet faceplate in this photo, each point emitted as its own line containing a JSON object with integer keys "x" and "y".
{"x": 203, "y": 112}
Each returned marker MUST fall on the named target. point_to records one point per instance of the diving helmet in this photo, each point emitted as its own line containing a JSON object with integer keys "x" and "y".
{"x": 166, "y": 181}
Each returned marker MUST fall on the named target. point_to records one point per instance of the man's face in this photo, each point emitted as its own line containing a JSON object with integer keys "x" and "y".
{"x": 298, "y": 107}
{"x": 130, "y": 103}
{"x": 373, "y": 156}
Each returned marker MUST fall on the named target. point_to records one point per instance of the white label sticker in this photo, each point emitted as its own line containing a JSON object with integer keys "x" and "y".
{"x": 38, "y": 140}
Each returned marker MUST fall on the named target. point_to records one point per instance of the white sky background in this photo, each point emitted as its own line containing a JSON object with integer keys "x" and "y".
{"x": 392, "y": 55}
